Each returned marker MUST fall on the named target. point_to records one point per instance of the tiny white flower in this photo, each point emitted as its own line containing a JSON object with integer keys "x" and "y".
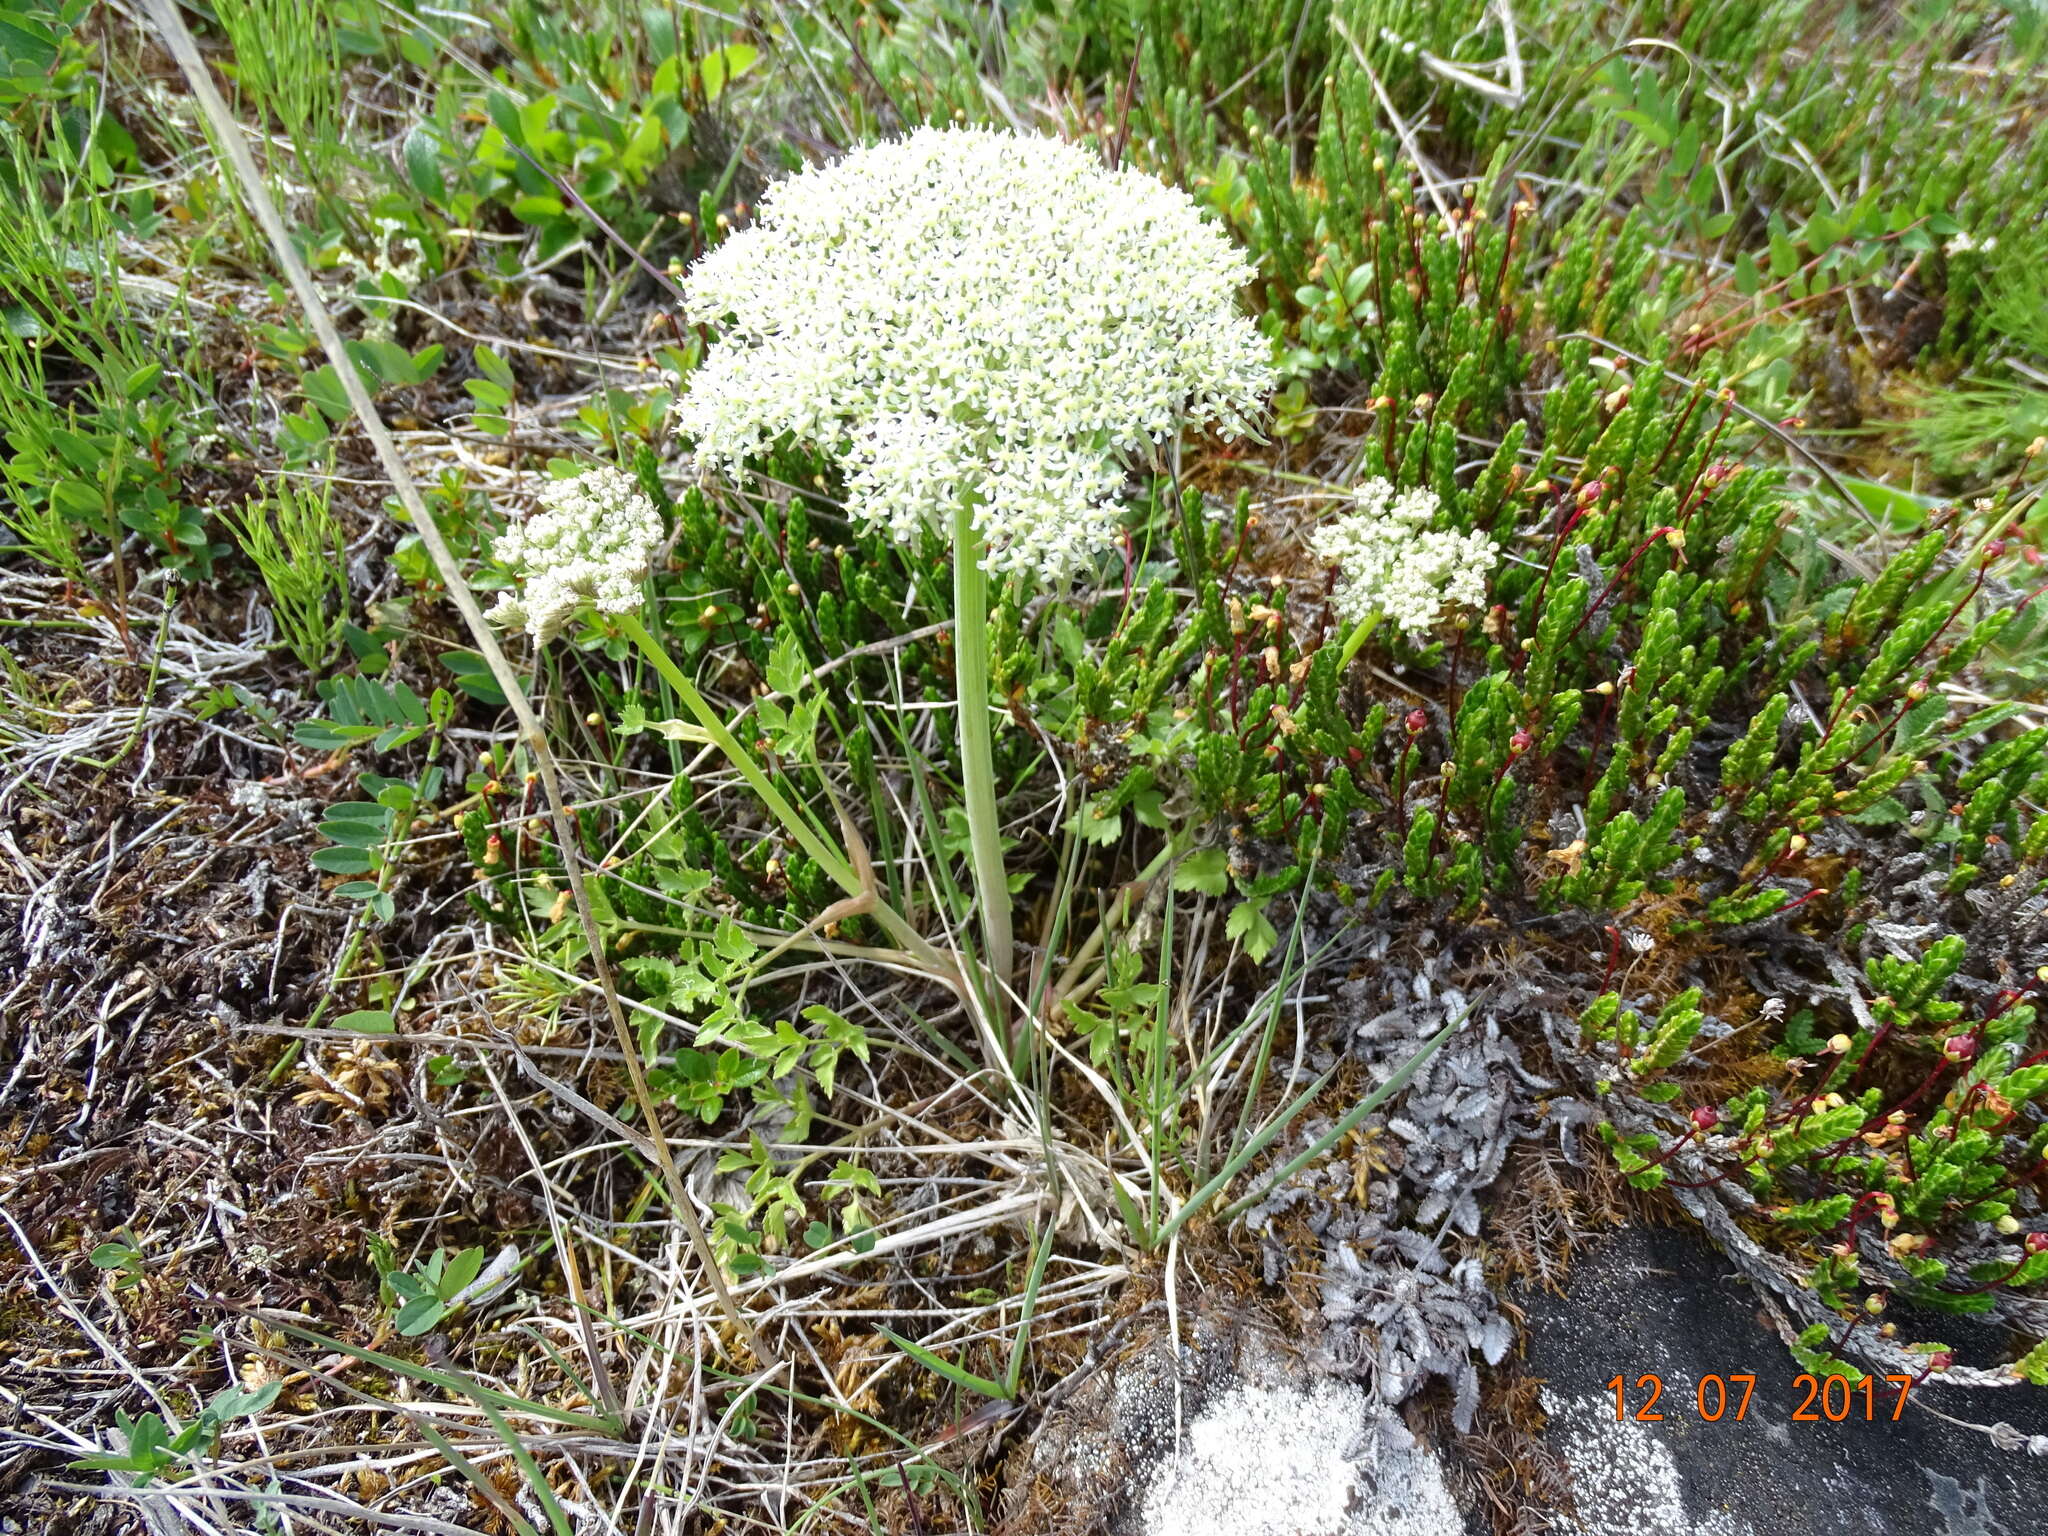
{"x": 966, "y": 313}
{"x": 588, "y": 543}
{"x": 1391, "y": 563}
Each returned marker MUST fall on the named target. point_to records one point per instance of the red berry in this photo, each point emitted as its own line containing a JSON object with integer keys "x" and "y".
{"x": 1706, "y": 1117}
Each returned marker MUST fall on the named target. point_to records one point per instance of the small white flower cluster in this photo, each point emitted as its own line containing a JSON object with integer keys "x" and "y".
{"x": 589, "y": 542}
{"x": 1391, "y": 563}
{"x": 380, "y": 321}
{"x": 971, "y": 313}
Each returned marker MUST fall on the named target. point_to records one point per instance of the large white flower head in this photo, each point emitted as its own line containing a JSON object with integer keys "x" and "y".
{"x": 972, "y": 313}
{"x": 1390, "y": 562}
{"x": 588, "y": 543}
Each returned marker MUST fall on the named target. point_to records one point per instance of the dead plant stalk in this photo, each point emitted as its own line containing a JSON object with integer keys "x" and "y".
{"x": 183, "y": 48}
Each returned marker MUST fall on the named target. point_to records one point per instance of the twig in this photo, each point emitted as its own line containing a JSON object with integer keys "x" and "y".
{"x": 1429, "y": 173}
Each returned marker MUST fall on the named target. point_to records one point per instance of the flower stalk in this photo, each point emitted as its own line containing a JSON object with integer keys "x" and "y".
{"x": 977, "y": 754}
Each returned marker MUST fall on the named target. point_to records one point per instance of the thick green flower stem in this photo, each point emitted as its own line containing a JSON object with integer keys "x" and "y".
{"x": 834, "y": 862}
{"x": 1355, "y": 641}
{"x": 977, "y": 755}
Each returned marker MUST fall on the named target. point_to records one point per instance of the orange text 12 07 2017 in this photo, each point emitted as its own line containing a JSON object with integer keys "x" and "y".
{"x": 1730, "y": 1399}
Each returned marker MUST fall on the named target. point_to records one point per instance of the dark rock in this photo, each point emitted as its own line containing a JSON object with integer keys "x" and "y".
{"x": 1661, "y": 1302}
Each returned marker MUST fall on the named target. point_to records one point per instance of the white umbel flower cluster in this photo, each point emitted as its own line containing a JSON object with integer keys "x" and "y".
{"x": 971, "y": 313}
{"x": 588, "y": 543}
{"x": 1392, "y": 564}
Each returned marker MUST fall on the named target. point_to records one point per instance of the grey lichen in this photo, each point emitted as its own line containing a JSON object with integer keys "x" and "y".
{"x": 1404, "y": 1299}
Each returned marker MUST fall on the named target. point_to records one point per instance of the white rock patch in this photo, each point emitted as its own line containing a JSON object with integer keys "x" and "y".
{"x": 1266, "y": 1461}
{"x": 1624, "y": 1478}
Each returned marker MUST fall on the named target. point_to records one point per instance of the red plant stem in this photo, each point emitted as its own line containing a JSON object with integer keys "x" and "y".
{"x": 1914, "y": 1097}
{"x": 1687, "y": 505}
{"x": 1499, "y": 326}
{"x": 1883, "y": 730}
{"x": 1692, "y": 403}
{"x": 1884, "y": 1033}
{"x": 1671, "y": 1151}
{"x": 1568, "y": 519}
{"x": 1613, "y": 581}
{"x": 1599, "y": 733}
{"x": 1693, "y": 346}
{"x": 1794, "y": 906}
{"x": 1401, "y": 792}
{"x": 1855, "y": 1215}
{"x": 1323, "y": 621}
{"x": 1721, "y": 1177}
{"x": 1991, "y": 1285}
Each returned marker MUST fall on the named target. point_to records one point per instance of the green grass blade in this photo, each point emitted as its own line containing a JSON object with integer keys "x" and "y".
{"x": 448, "y": 1381}
{"x": 1013, "y": 1377}
{"x": 557, "y": 1516}
{"x": 1357, "y": 1113}
{"x": 475, "y": 1477}
{"x": 959, "y": 1375}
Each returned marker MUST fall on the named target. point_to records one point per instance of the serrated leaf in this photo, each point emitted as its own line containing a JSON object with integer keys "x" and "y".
{"x": 787, "y": 669}
{"x": 1206, "y": 870}
{"x": 1249, "y": 925}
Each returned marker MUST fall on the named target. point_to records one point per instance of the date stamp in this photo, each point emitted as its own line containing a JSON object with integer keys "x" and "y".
{"x": 1726, "y": 1399}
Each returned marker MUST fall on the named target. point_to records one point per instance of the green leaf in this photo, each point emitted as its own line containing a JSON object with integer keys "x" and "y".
{"x": 423, "y": 165}
{"x": 1134, "y": 1218}
{"x": 323, "y": 388}
{"x": 1250, "y": 926}
{"x": 2033, "y": 1365}
{"x": 495, "y": 368}
{"x": 958, "y": 1375}
{"x": 787, "y": 669}
{"x": 1097, "y": 822}
{"x": 731, "y": 942}
{"x": 418, "y": 1317}
{"x": 722, "y": 66}
{"x": 536, "y": 209}
{"x": 343, "y": 861}
{"x": 1901, "y": 511}
{"x": 448, "y": 1380}
{"x": 462, "y": 1269}
{"x": 472, "y": 675}
{"x": 1784, "y": 257}
{"x": 368, "y": 1021}
{"x": 240, "y": 1402}
{"x": 1206, "y": 870}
